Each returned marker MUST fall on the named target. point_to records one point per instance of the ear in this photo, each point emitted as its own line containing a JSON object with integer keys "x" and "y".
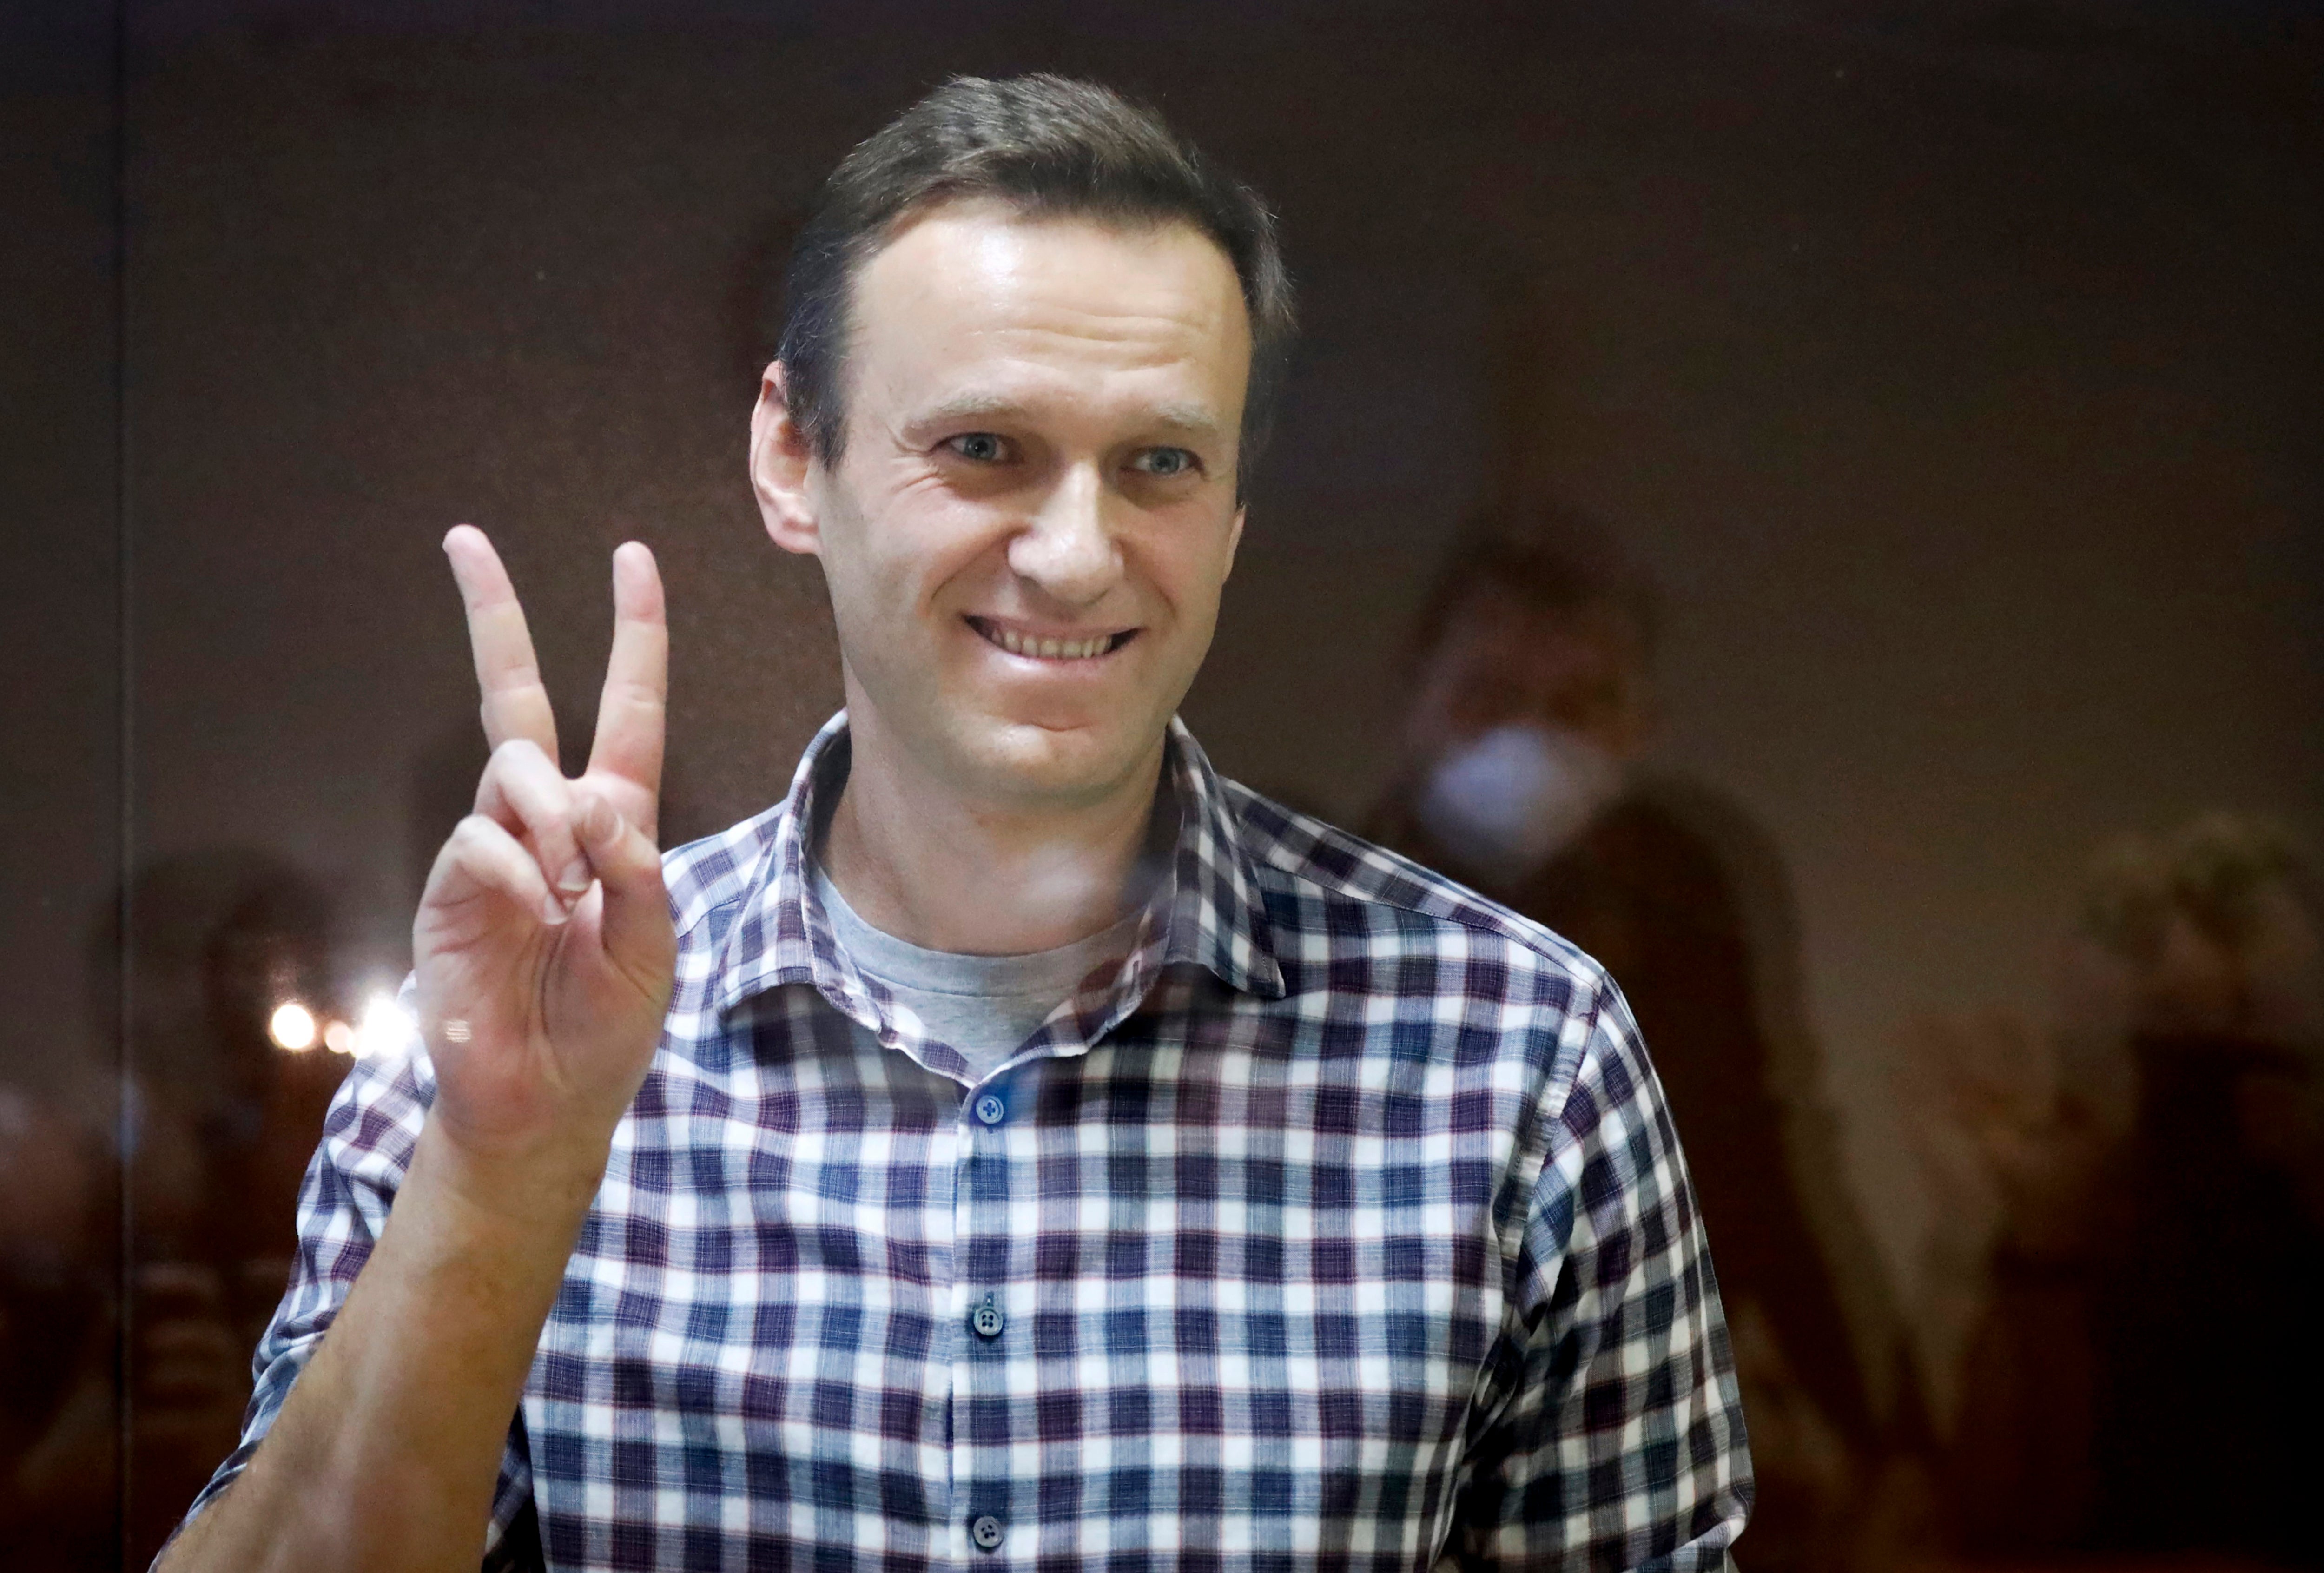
{"x": 781, "y": 458}
{"x": 1234, "y": 537}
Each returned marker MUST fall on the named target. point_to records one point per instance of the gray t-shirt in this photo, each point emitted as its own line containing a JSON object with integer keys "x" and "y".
{"x": 985, "y": 1006}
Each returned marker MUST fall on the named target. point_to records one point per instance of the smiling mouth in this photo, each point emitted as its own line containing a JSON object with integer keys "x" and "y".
{"x": 1086, "y": 647}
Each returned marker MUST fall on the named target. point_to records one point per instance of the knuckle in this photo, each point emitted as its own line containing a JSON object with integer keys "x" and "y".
{"x": 473, "y": 837}
{"x": 515, "y": 754}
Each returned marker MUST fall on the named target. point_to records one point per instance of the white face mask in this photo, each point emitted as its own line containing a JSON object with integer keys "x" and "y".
{"x": 1502, "y": 803}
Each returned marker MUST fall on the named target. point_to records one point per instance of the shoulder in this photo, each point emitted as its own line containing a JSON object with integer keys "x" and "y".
{"x": 1425, "y": 964}
{"x": 1310, "y": 869}
{"x": 1349, "y": 916}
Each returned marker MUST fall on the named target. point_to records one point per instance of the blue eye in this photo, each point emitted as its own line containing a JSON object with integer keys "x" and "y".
{"x": 978, "y": 446}
{"x": 1167, "y": 462}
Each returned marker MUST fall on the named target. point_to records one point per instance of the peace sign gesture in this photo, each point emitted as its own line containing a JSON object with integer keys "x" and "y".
{"x": 543, "y": 947}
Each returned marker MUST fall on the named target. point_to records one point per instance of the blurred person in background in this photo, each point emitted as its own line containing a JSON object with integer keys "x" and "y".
{"x": 226, "y": 1112}
{"x": 1532, "y": 708}
{"x": 2142, "y": 1377}
{"x": 211, "y": 1131}
{"x": 225, "y": 1104}
{"x": 58, "y": 1418}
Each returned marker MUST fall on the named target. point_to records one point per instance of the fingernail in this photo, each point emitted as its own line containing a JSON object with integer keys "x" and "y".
{"x": 575, "y": 879}
{"x": 599, "y": 822}
{"x": 553, "y": 910}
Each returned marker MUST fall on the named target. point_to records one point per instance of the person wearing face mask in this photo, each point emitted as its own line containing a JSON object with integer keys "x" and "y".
{"x": 1530, "y": 712}
{"x": 1512, "y": 798}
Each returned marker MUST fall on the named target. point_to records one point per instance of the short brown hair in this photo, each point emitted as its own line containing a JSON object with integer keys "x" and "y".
{"x": 1549, "y": 557}
{"x": 1049, "y": 146}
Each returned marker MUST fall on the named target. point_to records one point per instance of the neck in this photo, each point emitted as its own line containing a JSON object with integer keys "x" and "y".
{"x": 917, "y": 861}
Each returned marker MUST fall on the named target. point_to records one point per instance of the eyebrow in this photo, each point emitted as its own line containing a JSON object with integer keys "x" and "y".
{"x": 1191, "y": 419}
{"x": 1181, "y": 416}
{"x": 969, "y": 406}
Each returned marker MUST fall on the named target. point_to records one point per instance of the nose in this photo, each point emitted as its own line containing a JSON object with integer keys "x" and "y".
{"x": 1066, "y": 548}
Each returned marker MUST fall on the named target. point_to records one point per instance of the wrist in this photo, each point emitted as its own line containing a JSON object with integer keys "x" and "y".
{"x": 498, "y": 1188}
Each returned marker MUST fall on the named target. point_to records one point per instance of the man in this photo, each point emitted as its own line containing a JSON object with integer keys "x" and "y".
{"x": 1531, "y": 710}
{"x": 1018, "y": 1146}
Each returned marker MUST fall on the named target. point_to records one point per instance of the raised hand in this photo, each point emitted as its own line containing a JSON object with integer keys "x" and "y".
{"x": 543, "y": 947}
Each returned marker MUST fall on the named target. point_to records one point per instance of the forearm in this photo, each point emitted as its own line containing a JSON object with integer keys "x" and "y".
{"x": 386, "y": 1452}
{"x": 544, "y": 937}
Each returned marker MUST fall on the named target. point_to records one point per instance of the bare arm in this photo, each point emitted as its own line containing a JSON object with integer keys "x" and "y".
{"x": 542, "y": 952}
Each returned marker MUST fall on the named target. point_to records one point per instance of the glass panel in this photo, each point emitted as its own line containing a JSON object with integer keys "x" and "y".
{"x": 1904, "y": 674}
{"x": 59, "y": 799}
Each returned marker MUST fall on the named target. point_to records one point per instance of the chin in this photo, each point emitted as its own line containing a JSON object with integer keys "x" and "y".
{"x": 1018, "y": 759}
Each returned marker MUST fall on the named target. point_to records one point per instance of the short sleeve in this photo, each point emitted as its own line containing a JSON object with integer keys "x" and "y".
{"x": 369, "y": 1134}
{"x": 1615, "y": 1439}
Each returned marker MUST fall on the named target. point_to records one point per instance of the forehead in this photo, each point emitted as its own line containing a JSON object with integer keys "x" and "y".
{"x": 1494, "y": 626}
{"x": 976, "y": 290}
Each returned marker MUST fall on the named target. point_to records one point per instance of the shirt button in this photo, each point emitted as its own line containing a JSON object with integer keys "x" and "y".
{"x": 990, "y": 1109}
{"x": 986, "y": 1532}
{"x": 987, "y": 1321}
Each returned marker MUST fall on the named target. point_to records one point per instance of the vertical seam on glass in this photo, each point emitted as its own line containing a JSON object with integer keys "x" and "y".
{"x": 124, "y": 781}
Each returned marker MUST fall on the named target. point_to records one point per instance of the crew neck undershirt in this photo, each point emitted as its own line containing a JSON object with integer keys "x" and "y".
{"x": 985, "y": 1006}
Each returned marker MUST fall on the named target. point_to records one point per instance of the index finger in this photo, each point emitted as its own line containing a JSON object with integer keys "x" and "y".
{"x": 631, "y": 710}
{"x": 515, "y": 702}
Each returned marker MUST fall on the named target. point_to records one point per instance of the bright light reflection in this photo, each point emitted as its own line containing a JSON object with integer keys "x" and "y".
{"x": 339, "y": 1038}
{"x": 385, "y": 1029}
{"x": 292, "y": 1026}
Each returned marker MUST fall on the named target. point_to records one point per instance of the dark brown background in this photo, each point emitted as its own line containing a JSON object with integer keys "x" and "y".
{"x": 1953, "y": 369}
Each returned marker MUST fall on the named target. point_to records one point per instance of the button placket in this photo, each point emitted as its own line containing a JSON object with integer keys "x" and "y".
{"x": 983, "y": 1434}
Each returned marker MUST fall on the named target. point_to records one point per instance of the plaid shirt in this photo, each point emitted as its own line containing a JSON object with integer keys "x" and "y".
{"x": 1341, "y": 1226}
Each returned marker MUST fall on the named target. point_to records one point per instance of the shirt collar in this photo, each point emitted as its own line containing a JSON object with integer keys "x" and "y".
{"x": 1209, "y": 910}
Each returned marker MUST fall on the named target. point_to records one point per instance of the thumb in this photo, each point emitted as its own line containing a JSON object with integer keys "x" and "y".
{"x": 637, "y": 923}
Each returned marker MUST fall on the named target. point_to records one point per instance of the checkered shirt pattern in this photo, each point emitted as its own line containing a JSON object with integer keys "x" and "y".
{"x": 1342, "y": 1226}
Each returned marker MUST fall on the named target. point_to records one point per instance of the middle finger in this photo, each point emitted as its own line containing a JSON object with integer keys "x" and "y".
{"x": 529, "y": 798}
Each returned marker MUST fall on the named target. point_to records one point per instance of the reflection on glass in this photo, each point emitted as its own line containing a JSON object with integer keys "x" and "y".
{"x": 1523, "y": 773}
{"x": 59, "y": 1421}
{"x": 2139, "y": 1233}
{"x": 292, "y": 1026}
{"x": 233, "y": 982}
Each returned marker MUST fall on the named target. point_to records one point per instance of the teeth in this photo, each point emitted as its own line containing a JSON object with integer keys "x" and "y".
{"x": 1017, "y": 644}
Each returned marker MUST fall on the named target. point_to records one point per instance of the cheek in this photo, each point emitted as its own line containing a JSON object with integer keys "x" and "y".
{"x": 914, "y": 552}
{"x": 1187, "y": 567}
{"x": 953, "y": 572}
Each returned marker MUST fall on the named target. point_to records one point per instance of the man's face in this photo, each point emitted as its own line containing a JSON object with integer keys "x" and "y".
{"x": 1500, "y": 660}
{"x": 1027, "y": 533}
